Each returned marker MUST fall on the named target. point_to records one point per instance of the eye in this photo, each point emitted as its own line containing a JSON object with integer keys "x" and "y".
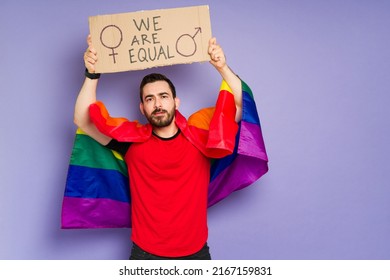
{"x": 148, "y": 99}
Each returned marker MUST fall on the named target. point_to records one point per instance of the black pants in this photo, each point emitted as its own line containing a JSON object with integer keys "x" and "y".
{"x": 138, "y": 254}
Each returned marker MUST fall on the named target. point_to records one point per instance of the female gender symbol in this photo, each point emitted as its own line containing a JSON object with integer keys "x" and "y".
{"x": 113, "y": 54}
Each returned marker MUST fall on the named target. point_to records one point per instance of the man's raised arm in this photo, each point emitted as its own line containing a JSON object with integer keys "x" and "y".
{"x": 87, "y": 96}
{"x": 218, "y": 60}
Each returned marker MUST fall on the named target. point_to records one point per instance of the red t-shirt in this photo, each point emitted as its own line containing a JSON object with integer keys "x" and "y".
{"x": 168, "y": 184}
{"x": 169, "y": 178}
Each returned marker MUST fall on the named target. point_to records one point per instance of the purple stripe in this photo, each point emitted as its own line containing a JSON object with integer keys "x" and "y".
{"x": 251, "y": 141}
{"x": 241, "y": 173}
{"x": 94, "y": 213}
{"x": 249, "y": 165}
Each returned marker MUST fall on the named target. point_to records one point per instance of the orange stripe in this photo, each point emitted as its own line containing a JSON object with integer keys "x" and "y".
{"x": 109, "y": 120}
{"x": 202, "y": 118}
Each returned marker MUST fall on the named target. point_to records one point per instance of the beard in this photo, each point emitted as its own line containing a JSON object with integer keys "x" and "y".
{"x": 162, "y": 120}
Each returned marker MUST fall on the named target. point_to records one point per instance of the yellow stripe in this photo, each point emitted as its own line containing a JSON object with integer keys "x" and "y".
{"x": 79, "y": 131}
{"x": 117, "y": 155}
{"x": 225, "y": 86}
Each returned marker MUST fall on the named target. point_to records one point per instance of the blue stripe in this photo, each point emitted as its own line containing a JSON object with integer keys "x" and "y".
{"x": 87, "y": 182}
{"x": 249, "y": 115}
{"x": 249, "y": 111}
{"x": 219, "y": 165}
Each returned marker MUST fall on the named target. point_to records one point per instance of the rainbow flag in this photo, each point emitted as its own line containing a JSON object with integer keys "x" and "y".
{"x": 97, "y": 189}
{"x": 249, "y": 160}
{"x": 97, "y": 193}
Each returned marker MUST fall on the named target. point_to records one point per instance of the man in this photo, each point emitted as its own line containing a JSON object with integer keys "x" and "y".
{"x": 168, "y": 159}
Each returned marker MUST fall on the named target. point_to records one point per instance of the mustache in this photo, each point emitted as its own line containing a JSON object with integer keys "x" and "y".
{"x": 159, "y": 110}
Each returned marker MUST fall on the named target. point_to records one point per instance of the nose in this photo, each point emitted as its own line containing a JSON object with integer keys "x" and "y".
{"x": 157, "y": 103}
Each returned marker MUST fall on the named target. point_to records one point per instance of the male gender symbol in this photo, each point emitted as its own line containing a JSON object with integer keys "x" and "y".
{"x": 120, "y": 36}
{"x": 189, "y": 41}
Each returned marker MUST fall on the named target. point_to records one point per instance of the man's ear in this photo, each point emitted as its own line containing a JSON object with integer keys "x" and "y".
{"x": 141, "y": 108}
{"x": 177, "y": 103}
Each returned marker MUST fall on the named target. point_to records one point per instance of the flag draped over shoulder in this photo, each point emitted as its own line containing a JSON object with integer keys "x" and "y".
{"x": 97, "y": 191}
{"x": 249, "y": 160}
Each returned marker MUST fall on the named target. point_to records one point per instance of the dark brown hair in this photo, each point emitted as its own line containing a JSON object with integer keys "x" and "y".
{"x": 154, "y": 77}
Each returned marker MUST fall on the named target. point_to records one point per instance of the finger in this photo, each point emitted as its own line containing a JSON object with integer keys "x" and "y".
{"x": 91, "y": 51}
{"x": 90, "y": 60}
{"x": 216, "y": 58}
{"x": 212, "y": 44}
{"x": 214, "y": 50}
{"x": 88, "y": 56}
{"x": 90, "y": 46}
{"x": 216, "y": 54}
{"x": 210, "y": 49}
{"x": 90, "y": 67}
{"x": 89, "y": 40}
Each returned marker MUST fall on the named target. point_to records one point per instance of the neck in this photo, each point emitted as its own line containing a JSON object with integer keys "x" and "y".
{"x": 167, "y": 131}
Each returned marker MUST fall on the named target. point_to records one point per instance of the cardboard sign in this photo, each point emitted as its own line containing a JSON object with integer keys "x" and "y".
{"x": 140, "y": 40}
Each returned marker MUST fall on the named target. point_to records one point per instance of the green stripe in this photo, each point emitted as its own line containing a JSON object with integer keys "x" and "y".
{"x": 246, "y": 88}
{"x": 89, "y": 153}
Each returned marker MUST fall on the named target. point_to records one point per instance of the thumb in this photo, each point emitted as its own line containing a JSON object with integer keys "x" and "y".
{"x": 89, "y": 40}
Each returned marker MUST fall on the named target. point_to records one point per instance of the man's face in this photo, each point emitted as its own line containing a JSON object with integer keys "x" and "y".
{"x": 158, "y": 104}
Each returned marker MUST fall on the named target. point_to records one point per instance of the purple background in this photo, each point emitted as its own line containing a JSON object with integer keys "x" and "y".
{"x": 320, "y": 74}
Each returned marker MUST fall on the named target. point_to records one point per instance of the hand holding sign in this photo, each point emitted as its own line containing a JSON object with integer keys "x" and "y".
{"x": 140, "y": 40}
{"x": 90, "y": 56}
{"x": 217, "y": 56}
